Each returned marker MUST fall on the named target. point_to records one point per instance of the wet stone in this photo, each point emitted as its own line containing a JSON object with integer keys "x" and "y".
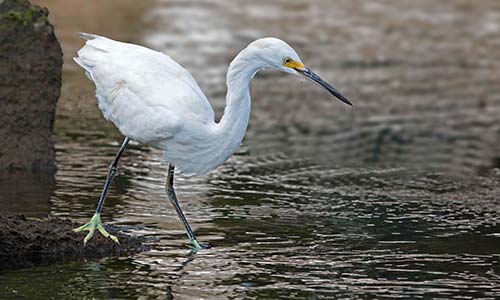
{"x": 30, "y": 84}
{"x": 27, "y": 242}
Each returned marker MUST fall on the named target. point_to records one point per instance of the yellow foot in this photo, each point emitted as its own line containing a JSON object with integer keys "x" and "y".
{"x": 95, "y": 223}
{"x": 195, "y": 245}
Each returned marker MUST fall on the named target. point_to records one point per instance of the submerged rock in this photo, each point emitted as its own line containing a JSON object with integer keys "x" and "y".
{"x": 30, "y": 83}
{"x": 26, "y": 242}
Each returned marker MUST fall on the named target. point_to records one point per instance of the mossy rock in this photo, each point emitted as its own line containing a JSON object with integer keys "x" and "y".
{"x": 30, "y": 76}
{"x": 21, "y": 12}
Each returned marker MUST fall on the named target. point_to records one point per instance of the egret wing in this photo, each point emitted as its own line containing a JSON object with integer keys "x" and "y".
{"x": 145, "y": 93}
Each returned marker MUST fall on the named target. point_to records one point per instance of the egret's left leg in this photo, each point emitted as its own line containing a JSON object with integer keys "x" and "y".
{"x": 169, "y": 189}
{"x": 95, "y": 222}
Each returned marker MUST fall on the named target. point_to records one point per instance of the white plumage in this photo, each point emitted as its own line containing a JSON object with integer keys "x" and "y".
{"x": 153, "y": 100}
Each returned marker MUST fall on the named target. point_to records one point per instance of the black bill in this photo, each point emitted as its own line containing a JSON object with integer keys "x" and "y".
{"x": 311, "y": 75}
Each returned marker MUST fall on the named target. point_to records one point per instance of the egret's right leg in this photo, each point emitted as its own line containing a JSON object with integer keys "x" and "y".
{"x": 169, "y": 189}
{"x": 95, "y": 222}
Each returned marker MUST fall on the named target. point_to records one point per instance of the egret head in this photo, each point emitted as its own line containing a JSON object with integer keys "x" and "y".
{"x": 276, "y": 54}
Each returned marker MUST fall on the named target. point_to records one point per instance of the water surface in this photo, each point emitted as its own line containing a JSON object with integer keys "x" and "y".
{"x": 322, "y": 201}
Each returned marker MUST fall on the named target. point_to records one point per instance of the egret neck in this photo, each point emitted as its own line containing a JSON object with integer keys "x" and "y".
{"x": 233, "y": 124}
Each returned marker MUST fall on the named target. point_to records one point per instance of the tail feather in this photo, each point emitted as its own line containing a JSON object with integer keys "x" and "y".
{"x": 88, "y": 73}
{"x": 88, "y": 36}
{"x": 96, "y": 52}
{"x": 96, "y": 41}
{"x": 80, "y": 63}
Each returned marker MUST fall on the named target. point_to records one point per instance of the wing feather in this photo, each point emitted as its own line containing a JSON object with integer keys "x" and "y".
{"x": 145, "y": 93}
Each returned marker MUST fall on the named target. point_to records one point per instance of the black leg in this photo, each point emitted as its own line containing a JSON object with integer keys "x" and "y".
{"x": 111, "y": 174}
{"x": 169, "y": 189}
{"x": 95, "y": 222}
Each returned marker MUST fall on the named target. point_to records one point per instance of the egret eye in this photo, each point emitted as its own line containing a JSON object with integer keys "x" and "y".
{"x": 287, "y": 60}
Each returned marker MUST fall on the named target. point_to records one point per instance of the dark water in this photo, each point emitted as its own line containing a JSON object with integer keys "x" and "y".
{"x": 322, "y": 201}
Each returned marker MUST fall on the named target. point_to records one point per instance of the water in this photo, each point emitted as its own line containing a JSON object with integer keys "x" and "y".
{"x": 322, "y": 201}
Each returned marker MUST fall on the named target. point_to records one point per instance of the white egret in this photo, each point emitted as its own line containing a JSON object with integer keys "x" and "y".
{"x": 155, "y": 101}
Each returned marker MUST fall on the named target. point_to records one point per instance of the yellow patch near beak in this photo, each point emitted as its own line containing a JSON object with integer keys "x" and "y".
{"x": 295, "y": 65}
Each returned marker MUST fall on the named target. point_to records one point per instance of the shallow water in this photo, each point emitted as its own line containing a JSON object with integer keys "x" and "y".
{"x": 322, "y": 201}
